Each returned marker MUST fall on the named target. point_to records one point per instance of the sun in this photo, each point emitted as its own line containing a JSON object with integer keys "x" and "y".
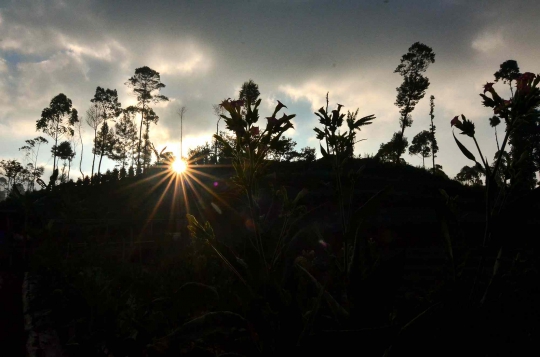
{"x": 179, "y": 166}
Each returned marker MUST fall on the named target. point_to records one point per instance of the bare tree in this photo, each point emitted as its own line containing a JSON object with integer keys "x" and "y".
{"x": 181, "y": 112}
{"x": 94, "y": 120}
{"x": 218, "y": 111}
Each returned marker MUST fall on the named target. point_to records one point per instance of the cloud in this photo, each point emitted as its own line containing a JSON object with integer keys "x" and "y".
{"x": 488, "y": 41}
{"x": 296, "y": 51}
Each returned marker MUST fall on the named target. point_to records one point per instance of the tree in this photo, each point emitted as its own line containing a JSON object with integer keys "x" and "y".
{"x": 146, "y": 83}
{"x": 108, "y": 107}
{"x": 218, "y": 111}
{"x": 78, "y": 126}
{"x": 93, "y": 119}
{"x": 469, "y": 175}
{"x": 421, "y": 145}
{"x": 31, "y": 150}
{"x": 412, "y": 90}
{"x": 181, "y": 112}
{"x": 104, "y": 143}
{"x": 283, "y": 150}
{"x": 126, "y": 139}
{"x": 433, "y": 139}
{"x": 307, "y": 154}
{"x": 397, "y": 145}
{"x": 150, "y": 117}
{"x": 57, "y": 120}
{"x": 64, "y": 152}
{"x": 11, "y": 169}
{"x": 200, "y": 155}
{"x": 249, "y": 92}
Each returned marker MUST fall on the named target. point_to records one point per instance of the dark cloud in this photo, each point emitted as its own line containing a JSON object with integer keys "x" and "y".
{"x": 295, "y": 50}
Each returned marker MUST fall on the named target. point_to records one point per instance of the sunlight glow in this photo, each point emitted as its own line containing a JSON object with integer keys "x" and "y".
{"x": 179, "y": 166}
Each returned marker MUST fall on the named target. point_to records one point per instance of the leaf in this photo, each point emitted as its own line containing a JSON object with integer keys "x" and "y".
{"x": 372, "y": 204}
{"x": 464, "y": 150}
{"x": 323, "y": 152}
{"x": 300, "y": 195}
{"x": 336, "y": 308}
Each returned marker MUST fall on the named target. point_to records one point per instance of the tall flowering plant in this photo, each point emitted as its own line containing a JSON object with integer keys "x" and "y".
{"x": 250, "y": 149}
{"x": 520, "y": 109}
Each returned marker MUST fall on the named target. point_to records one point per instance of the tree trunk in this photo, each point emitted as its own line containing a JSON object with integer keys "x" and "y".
{"x": 99, "y": 166}
{"x": 94, "y": 159}
{"x": 102, "y": 150}
{"x": 139, "y": 146}
{"x": 82, "y": 151}
{"x": 497, "y": 140}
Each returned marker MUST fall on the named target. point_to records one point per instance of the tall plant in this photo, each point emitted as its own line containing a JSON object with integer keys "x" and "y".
{"x": 433, "y": 139}
{"x": 518, "y": 111}
{"x": 339, "y": 148}
{"x": 57, "y": 121}
{"x": 412, "y": 90}
{"x": 146, "y": 84}
{"x": 108, "y": 108}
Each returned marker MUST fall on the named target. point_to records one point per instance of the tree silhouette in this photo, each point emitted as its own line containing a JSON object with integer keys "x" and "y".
{"x": 469, "y": 175}
{"x": 283, "y": 150}
{"x": 433, "y": 139}
{"x": 412, "y": 90}
{"x": 93, "y": 119}
{"x": 421, "y": 145}
{"x": 249, "y": 92}
{"x": 57, "y": 121}
{"x": 104, "y": 144}
{"x": 108, "y": 107}
{"x": 11, "y": 169}
{"x": 146, "y": 83}
{"x": 126, "y": 139}
{"x": 150, "y": 117}
{"x": 218, "y": 111}
{"x": 64, "y": 152}
{"x": 31, "y": 150}
{"x": 387, "y": 151}
{"x": 200, "y": 155}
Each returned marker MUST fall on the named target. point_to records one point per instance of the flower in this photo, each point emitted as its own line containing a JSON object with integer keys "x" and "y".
{"x": 254, "y": 130}
{"x": 272, "y": 121}
{"x": 238, "y": 103}
{"x": 226, "y": 104}
{"x": 524, "y": 82}
{"x": 455, "y": 122}
{"x": 280, "y": 105}
{"x": 488, "y": 87}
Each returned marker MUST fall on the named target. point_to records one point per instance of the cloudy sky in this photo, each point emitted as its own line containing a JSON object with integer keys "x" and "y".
{"x": 295, "y": 50}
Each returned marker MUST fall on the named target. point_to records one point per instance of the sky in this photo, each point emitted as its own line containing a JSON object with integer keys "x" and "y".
{"x": 295, "y": 50}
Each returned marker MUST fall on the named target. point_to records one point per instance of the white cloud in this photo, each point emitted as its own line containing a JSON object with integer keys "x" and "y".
{"x": 488, "y": 41}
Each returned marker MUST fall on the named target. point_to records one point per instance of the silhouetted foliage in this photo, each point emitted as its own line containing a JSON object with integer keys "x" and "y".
{"x": 58, "y": 120}
{"x": 249, "y": 92}
{"x": 108, "y": 108}
{"x": 421, "y": 145}
{"x": 146, "y": 84}
{"x": 412, "y": 90}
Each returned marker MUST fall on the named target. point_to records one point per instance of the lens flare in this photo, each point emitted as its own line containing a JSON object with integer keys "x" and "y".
{"x": 179, "y": 166}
